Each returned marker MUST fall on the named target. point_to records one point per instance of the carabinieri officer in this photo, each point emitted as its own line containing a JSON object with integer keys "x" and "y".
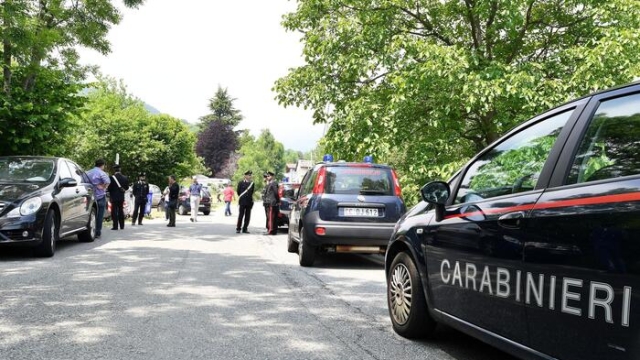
{"x": 245, "y": 201}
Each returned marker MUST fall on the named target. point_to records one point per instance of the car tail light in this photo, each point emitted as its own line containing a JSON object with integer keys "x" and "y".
{"x": 318, "y": 188}
{"x": 396, "y": 184}
{"x": 321, "y": 231}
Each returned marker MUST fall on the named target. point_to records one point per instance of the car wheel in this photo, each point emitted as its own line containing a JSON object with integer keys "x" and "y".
{"x": 49, "y": 236}
{"x": 406, "y": 301}
{"x": 182, "y": 210}
{"x": 89, "y": 234}
{"x": 206, "y": 212}
{"x": 306, "y": 252}
{"x": 292, "y": 245}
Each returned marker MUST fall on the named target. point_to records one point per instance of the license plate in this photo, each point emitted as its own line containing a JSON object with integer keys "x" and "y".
{"x": 365, "y": 212}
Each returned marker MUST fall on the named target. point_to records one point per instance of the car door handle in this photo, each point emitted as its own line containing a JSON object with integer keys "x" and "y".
{"x": 511, "y": 220}
{"x": 77, "y": 191}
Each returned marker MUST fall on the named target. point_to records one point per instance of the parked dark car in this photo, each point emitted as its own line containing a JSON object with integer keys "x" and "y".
{"x": 533, "y": 245}
{"x": 344, "y": 207}
{"x": 44, "y": 199}
{"x": 184, "y": 205}
{"x": 286, "y": 191}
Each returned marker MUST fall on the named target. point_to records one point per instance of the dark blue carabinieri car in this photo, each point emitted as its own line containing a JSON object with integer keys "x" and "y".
{"x": 43, "y": 199}
{"x": 344, "y": 207}
{"x": 534, "y": 245}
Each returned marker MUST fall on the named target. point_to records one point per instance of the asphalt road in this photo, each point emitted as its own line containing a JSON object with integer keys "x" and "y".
{"x": 201, "y": 291}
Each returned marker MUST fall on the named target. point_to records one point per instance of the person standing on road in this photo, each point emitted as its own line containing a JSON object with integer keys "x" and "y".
{"x": 245, "y": 202}
{"x": 194, "y": 199}
{"x": 116, "y": 189}
{"x": 165, "y": 202}
{"x": 229, "y": 195}
{"x": 100, "y": 181}
{"x": 174, "y": 192}
{"x": 264, "y": 201}
{"x": 272, "y": 199}
{"x": 139, "y": 192}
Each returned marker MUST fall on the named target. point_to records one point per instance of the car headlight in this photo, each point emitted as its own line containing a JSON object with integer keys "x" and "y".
{"x": 28, "y": 207}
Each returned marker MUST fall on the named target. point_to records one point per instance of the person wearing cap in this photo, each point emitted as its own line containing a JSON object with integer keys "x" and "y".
{"x": 100, "y": 181}
{"x": 272, "y": 199}
{"x": 116, "y": 189}
{"x": 194, "y": 199}
{"x": 245, "y": 202}
{"x": 139, "y": 193}
{"x": 264, "y": 201}
{"x": 174, "y": 194}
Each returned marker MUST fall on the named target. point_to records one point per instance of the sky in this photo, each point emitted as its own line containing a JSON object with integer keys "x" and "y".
{"x": 173, "y": 55}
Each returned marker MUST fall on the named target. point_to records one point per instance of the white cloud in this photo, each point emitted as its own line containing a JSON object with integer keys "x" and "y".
{"x": 174, "y": 57}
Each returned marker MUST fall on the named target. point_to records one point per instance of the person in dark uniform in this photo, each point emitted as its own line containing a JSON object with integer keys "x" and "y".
{"x": 245, "y": 202}
{"x": 174, "y": 192}
{"x": 272, "y": 199}
{"x": 264, "y": 201}
{"x": 116, "y": 189}
{"x": 140, "y": 192}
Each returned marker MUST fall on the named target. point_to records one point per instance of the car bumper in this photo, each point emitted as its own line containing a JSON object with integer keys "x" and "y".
{"x": 23, "y": 231}
{"x": 283, "y": 219}
{"x": 348, "y": 233}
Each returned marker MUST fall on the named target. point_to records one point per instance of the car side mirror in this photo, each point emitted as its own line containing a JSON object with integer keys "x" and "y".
{"x": 436, "y": 193}
{"x": 68, "y": 182}
{"x": 289, "y": 193}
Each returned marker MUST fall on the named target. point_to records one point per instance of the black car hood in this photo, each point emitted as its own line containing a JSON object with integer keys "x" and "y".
{"x": 13, "y": 192}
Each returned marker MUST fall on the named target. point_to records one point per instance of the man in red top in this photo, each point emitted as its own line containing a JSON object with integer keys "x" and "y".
{"x": 229, "y": 195}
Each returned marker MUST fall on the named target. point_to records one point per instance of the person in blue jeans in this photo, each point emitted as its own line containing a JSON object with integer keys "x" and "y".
{"x": 100, "y": 181}
{"x": 229, "y": 195}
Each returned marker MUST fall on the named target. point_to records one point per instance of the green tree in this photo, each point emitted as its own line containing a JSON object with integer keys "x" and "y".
{"x": 425, "y": 84}
{"x": 261, "y": 155}
{"x": 291, "y": 156}
{"x": 222, "y": 110}
{"x": 217, "y": 140}
{"x": 40, "y": 70}
{"x": 114, "y": 122}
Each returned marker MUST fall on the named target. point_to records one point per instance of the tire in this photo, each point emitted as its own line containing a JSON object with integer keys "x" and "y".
{"x": 306, "y": 252}
{"x": 405, "y": 300}
{"x": 49, "y": 236}
{"x": 182, "y": 210}
{"x": 206, "y": 212}
{"x": 89, "y": 234}
{"x": 292, "y": 245}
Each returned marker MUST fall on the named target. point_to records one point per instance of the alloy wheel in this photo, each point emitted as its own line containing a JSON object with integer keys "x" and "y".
{"x": 401, "y": 293}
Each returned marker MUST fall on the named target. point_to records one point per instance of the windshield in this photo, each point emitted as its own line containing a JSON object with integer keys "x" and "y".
{"x": 15, "y": 170}
{"x": 359, "y": 180}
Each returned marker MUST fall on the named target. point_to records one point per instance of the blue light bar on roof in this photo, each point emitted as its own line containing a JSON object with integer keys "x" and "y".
{"x": 327, "y": 158}
{"x": 368, "y": 159}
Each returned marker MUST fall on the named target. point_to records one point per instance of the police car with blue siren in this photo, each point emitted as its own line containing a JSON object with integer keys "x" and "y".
{"x": 344, "y": 207}
{"x": 534, "y": 245}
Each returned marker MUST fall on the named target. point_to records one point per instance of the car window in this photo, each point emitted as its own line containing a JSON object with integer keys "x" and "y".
{"x": 63, "y": 169}
{"x": 610, "y": 147}
{"x": 513, "y": 165}
{"x": 358, "y": 180}
{"x": 26, "y": 170}
{"x": 76, "y": 173}
{"x": 308, "y": 182}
